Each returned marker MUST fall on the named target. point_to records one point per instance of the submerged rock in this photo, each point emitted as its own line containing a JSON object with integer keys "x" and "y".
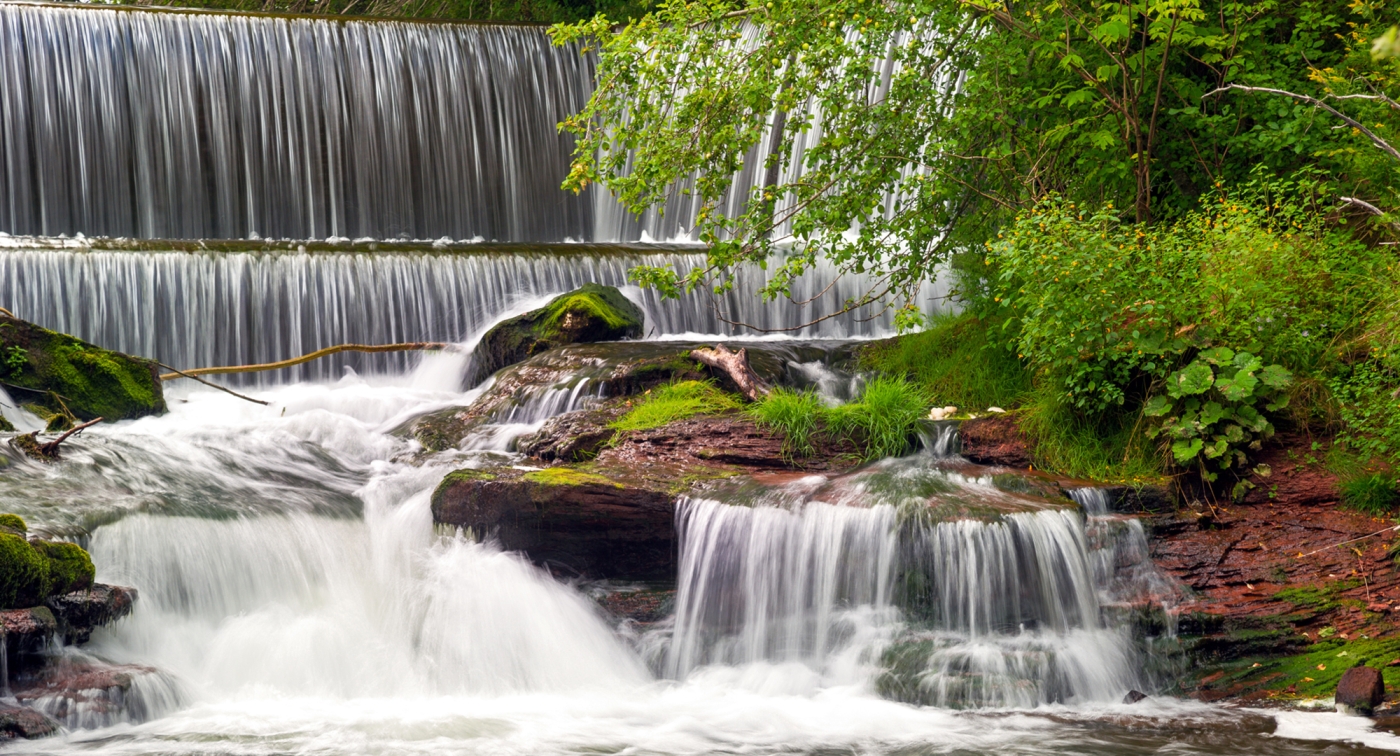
{"x": 24, "y": 722}
{"x": 61, "y": 375}
{"x": 587, "y": 314}
{"x": 81, "y": 692}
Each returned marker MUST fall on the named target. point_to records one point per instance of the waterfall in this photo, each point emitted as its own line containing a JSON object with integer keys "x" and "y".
{"x": 197, "y": 125}
{"x": 999, "y": 611}
{"x": 197, "y": 309}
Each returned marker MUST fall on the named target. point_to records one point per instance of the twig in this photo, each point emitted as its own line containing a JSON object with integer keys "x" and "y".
{"x": 1352, "y": 122}
{"x": 319, "y": 353}
{"x": 211, "y": 383}
{"x": 51, "y": 448}
{"x": 1354, "y": 540}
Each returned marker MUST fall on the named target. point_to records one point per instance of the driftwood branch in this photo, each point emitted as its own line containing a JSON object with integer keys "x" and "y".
{"x": 183, "y": 374}
{"x": 319, "y": 353}
{"x": 48, "y": 451}
{"x": 736, "y": 366}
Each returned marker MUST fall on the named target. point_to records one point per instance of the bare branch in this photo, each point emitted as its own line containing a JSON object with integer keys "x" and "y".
{"x": 1352, "y": 122}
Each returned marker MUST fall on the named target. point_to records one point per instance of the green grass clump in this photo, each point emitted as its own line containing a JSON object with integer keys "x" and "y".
{"x": 884, "y": 419}
{"x": 796, "y": 414}
{"x": 881, "y": 422}
{"x": 70, "y": 567}
{"x": 677, "y": 401}
{"x": 1108, "y": 446}
{"x": 24, "y": 573}
{"x": 958, "y": 360}
{"x": 1375, "y": 495}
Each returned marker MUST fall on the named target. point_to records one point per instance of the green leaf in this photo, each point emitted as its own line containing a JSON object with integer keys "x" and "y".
{"x": 1247, "y": 362}
{"x": 1211, "y": 413}
{"x": 1217, "y": 356}
{"x": 1239, "y": 388}
{"x": 1195, "y": 378}
{"x": 1275, "y": 376}
{"x": 1157, "y": 406}
{"x": 1186, "y": 450}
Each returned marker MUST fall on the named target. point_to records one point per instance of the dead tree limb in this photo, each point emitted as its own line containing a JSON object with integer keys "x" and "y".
{"x": 47, "y": 452}
{"x": 1381, "y": 144}
{"x": 183, "y": 374}
{"x": 319, "y": 353}
{"x": 736, "y": 366}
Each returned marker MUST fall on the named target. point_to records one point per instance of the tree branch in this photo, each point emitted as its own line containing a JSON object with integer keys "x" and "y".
{"x": 1352, "y": 122}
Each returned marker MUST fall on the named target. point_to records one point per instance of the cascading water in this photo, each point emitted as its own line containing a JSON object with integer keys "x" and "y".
{"x": 193, "y": 309}
{"x": 190, "y": 125}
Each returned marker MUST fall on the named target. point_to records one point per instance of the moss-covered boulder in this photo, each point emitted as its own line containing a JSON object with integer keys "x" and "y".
{"x": 70, "y": 567}
{"x": 588, "y": 314}
{"x": 61, "y": 374}
{"x": 24, "y": 573}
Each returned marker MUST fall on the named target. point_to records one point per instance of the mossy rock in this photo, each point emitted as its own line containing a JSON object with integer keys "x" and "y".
{"x": 70, "y": 567}
{"x": 588, "y": 314}
{"x": 24, "y": 573}
{"x": 65, "y": 375}
{"x": 13, "y": 523}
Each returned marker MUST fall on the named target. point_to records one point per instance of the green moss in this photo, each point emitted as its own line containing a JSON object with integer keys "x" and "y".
{"x": 70, "y": 567}
{"x": 1317, "y": 598}
{"x": 568, "y": 476}
{"x": 668, "y": 404}
{"x": 603, "y": 303}
{"x": 24, "y": 573}
{"x": 14, "y": 524}
{"x": 1309, "y": 675}
{"x": 5, "y": 425}
{"x": 71, "y": 377}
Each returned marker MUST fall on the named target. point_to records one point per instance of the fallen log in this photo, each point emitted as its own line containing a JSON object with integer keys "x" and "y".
{"x": 736, "y": 366}
{"x": 316, "y": 355}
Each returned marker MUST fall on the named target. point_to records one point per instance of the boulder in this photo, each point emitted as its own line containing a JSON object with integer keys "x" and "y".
{"x": 588, "y": 314}
{"x": 1361, "y": 689}
{"x": 78, "y": 612}
{"x": 58, "y": 375}
{"x": 24, "y": 722}
{"x": 572, "y": 521}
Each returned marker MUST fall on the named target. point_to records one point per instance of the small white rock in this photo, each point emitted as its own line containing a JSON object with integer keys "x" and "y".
{"x": 942, "y": 413}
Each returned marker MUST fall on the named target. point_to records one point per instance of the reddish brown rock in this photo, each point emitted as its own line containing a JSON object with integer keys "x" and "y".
{"x": 1361, "y": 688}
{"x": 995, "y": 440}
{"x": 24, "y": 722}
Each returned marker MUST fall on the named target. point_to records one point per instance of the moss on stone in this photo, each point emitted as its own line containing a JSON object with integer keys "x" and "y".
{"x": 568, "y": 476}
{"x": 5, "y": 425}
{"x": 13, "y": 523}
{"x": 70, "y": 567}
{"x": 24, "y": 573}
{"x": 1312, "y": 674}
{"x": 588, "y": 314}
{"x": 68, "y": 376}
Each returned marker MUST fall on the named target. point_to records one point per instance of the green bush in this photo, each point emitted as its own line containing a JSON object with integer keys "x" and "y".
{"x": 24, "y": 573}
{"x": 70, "y": 567}
{"x": 14, "y": 524}
{"x": 676, "y": 401}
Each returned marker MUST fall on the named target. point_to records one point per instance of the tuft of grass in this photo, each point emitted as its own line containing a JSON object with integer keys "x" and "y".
{"x": 677, "y": 401}
{"x": 798, "y": 415}
{"x": 1111, "y": 446}
{"x": 958, "y": 360}
{"x": 1375, "y": 494}
{"x": 881, "y": 422}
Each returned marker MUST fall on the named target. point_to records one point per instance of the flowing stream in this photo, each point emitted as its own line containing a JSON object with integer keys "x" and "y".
{"x": 295, "y": 596}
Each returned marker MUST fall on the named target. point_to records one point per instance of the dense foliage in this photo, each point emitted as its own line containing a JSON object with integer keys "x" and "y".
{"x": 1169, "y": 214}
